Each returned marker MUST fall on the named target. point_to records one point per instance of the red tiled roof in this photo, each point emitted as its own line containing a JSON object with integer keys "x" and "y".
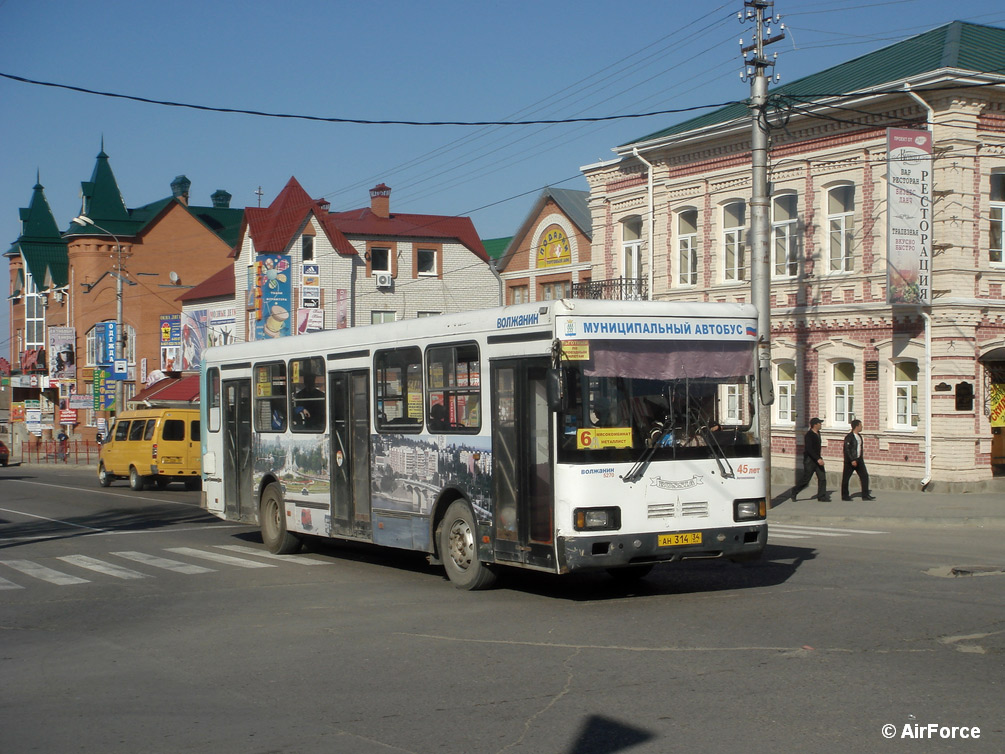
{"x": 215, "y": 286}
{"x": 181, "y": 389}
{"x": 273, "y": 227}
{"x": 364, "y": 222}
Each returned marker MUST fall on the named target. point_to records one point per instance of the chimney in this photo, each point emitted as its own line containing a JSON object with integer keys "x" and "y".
{"x": 179, "y": 188}
{"x": 221, "y": 199}
{"x": 380, "y": 200}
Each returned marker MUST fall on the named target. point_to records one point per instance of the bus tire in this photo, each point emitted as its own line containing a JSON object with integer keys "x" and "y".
{"x": 459, "y": 550}
{"x": 272, "y": 520}
{"x": 136, "y": 482}
{"x": 630, "y": 573}
{"x": 104, "y": 478}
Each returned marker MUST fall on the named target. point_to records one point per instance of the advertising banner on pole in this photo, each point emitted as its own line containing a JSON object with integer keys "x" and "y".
{"x": 62, "y": 356}
{"x": 909, "y": 216}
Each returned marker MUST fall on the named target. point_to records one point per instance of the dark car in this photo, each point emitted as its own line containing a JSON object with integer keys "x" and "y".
{"x": 4, "y": 454}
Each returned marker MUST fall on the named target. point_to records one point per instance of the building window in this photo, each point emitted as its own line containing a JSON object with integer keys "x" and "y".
{"x": 631, "y": 248}
{"x": 425, "y": 262}
{"x": 841, "y": 225}
{"x": 34, "y": 321}
{"x": 307, "y": 247}
{"x": 553, "y": 291}
{"x": 996, "y": 251}
{"x": 783, "y": 235}
{"x": 843, "y": 392}
{"x": 905, "y": 394}
{"x": 785, "y": 386}
{"x": 420, "y": 315}
{"x": 380, "y": 259}
{"x": 378, "y": 318}
{"x": 687, "y": 247}
{"x": 734, "y": 404}
{"x": 518, "y": 294}
{"x": 734, "y": 218}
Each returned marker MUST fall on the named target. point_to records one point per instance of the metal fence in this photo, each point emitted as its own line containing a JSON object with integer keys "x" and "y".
{"x": 617, "y": 289}
{"x": 77, "y": 452}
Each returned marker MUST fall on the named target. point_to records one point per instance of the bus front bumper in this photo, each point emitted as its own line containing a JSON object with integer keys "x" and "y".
{"x": 612, "y": 550}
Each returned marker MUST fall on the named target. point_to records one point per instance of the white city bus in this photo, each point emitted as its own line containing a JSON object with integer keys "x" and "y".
{"x": 559, "y": 436}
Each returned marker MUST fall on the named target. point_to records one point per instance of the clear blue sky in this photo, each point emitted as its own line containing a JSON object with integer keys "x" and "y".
{"x": 398, "y": 60}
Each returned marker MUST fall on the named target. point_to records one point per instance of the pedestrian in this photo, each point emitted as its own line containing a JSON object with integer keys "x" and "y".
{"x": 854, "y": 462}
{"x": 63, "y": 439}
{"x": 813, "y": 463}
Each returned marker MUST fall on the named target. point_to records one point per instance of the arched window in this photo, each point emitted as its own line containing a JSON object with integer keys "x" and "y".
{"x": 843, "y": 392}
{"x": 905, "y": 394}
{"x": 785, "y": 387}
{"x": 841, "y": 226}
{"x": 734, "y": 219}
{"x": 687, "y": 247}
{"x": 783, "y": 235}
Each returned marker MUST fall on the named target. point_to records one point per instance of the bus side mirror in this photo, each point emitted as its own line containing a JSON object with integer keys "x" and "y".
{"x": 557, "y": 400}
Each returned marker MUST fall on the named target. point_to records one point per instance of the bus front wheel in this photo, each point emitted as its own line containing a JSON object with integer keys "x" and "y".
{"x": 459, "y": 549}
{"x": 272, "y": 516}
{"x": 104, "y": 478}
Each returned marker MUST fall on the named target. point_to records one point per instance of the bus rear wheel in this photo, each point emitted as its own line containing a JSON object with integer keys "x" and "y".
{"x": 459, "y": 549}
{"x": 136, "y": 481}
{"x": 272, "y": 518}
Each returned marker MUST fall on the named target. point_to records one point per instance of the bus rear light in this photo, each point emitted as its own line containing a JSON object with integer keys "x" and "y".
{"x": 597, "y": 519}
{"x": 749, "y": 509}
{"x": 155, "y": 450}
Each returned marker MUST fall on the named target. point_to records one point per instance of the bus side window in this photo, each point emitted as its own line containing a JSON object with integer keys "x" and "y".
{"x": 174, "y": 429}
{"x": 307, "y": 402}
{"x": 213, "y": 388}
{"x": 270, "y": 397}
{"x": 121, "y": 429}
{"x": 398, "y": 378}
{"x": 151, "y": 428}
{"x": 136, "y": 430}
{"x": 454, "y": 378}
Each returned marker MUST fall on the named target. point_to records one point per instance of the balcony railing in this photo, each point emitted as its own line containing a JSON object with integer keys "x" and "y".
{"x": 616, "y": 289}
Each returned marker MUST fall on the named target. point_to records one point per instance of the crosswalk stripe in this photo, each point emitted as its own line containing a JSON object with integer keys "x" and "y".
{"x": 4, "y": 584}
{"x": 101, "y": 566}
{"x": 219, "y": 557}
{"x": 815, "y": 529}
{"x": 38, "y": 571}
{"x": 165, "y": 563}
{"x": 301, "y": 559}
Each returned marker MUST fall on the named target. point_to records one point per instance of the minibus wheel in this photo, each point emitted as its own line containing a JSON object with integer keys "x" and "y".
{"x": 272, "y": 519}
{"x": 458, "y": 536}
{"x": 104, "y": 478}
{"x": 136, "y": 482}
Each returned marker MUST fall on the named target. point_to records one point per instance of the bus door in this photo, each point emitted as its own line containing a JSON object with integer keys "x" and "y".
{"x": 521, "y": 463}
{"x": 349, "y": 396}
{"x": 237, "y": 451}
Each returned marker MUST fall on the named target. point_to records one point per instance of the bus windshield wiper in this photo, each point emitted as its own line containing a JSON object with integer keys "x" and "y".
{"x": 657, "y": 437}
{"x": 725, "y": 467}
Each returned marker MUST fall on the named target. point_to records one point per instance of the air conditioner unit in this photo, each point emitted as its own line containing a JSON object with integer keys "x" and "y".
{"x": 58, "y": 295}
{"x": 384, "y": 279}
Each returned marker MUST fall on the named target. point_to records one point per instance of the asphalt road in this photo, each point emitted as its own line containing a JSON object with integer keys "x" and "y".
{"x": 133, "y": 622}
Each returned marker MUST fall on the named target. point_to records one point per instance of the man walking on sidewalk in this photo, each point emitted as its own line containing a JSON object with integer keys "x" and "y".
{"x": 813, "y": 463}
{"x": 854, "y": 462}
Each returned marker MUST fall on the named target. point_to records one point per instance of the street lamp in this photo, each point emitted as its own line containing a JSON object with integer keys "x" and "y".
{"x": 84, "y": 221}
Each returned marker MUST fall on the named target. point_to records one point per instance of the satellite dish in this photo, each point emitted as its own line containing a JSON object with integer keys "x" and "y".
{"x": 174, "y": 277}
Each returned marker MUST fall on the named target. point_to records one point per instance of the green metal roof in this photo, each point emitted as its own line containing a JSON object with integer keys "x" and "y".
{"x": 40, "y": 243}
{"x": 495, "y": 247}
{"x": 957, "y": 45}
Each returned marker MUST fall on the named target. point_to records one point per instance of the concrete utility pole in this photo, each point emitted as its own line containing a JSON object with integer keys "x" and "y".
{"x": 755, "y": 66}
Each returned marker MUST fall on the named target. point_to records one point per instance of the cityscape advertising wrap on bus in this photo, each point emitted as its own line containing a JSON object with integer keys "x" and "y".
{"x": 559, "y": 436}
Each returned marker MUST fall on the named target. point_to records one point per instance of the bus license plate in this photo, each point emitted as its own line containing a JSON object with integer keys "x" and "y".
{"x": 681, "y": 538}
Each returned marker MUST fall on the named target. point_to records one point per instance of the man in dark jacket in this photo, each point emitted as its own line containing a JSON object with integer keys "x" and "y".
{"x": 813, "y": 463}
{"x": 854, "y": 462}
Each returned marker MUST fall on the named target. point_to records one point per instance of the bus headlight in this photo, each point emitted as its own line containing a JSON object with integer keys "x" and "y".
{"x": 597, "y": 519}
{"x": 749, "y": 509}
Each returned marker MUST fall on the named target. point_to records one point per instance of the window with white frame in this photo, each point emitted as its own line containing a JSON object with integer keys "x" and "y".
{"x": 380, "y": 259}
{"x": 783, "y": 235}
{"x": 734, "y": 218}
{"x": 785, "y": 391}
{"x": 518, "y": 294}
{"x": 841, "y": 227}
{"x": 307, "y": 247}
{"x": 996, "y": 250}
{"x": 733, "y": 398}
{"x": 843, "y": 392}
{"x": 425, "y": 261}
{"x": 556, "y": 290}
{"x": 377, "y": 318}
{"x": 631, "y": 248}
{"x": 905, "y": 394}
{"x": 687, "y": 247}
{"x": 34, "y": 319}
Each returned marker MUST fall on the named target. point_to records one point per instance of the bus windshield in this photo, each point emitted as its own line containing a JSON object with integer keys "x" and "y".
{"x": 682, "y": 400}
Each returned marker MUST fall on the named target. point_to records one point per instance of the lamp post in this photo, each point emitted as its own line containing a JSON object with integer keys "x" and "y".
{"x": 84, "y": 221}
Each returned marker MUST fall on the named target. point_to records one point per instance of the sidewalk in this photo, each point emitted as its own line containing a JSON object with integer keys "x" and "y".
{"x": 978, "y": 510}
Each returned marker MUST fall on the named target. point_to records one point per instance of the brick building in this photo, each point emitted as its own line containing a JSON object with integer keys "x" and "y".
{"x": 849, "y": 338}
